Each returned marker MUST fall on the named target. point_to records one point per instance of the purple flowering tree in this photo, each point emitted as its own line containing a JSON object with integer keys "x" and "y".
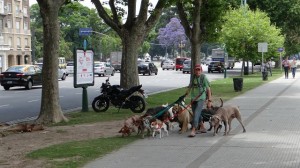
{"x": 173, "y": 35}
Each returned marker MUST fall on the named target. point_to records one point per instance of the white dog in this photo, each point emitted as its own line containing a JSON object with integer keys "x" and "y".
{"x": 157, "y": 127}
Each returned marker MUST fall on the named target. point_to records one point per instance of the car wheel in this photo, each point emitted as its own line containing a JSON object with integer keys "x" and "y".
{"x": 113, "y": 73}
{"x": 99, "y": 75}
{"x": 155, "y": 73}
{"x": 163, "y": 69}
{"x": 183, "y": 72}
{"x": 29, "y": 85}
{"x": 64, "y": 77}
{"x": 176, "y": 69}
{"x": 150, "y": 73}
{"x": 144, "y": 74}
{"x": 6, "y": 87}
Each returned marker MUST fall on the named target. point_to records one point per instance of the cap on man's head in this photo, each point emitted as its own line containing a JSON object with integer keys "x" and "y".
{"x": 198, "y": 66}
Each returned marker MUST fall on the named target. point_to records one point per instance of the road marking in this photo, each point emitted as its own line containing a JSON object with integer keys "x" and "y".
{"x": 5, "y": 105}
{"x": 33, "y": 101}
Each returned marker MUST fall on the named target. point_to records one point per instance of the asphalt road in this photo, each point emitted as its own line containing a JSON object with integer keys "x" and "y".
{"x": 19, "y": 104}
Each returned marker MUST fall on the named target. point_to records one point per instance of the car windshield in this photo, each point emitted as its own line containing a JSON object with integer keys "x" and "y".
{"x": 187, "y": 62}
{"x": 99, "y": 64}
{"x": 16, "y": 69}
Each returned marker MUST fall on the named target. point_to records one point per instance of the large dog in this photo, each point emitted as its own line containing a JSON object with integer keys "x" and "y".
{"x": 226, "y": 114}
{"x": 208, "y": 112}
{"x": 183, "y": 115}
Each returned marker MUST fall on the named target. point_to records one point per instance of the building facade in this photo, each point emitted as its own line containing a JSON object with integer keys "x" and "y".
{"x": 15, "y": 35}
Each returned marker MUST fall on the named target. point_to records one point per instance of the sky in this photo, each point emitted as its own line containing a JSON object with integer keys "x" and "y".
{"x": 88, "y": 3}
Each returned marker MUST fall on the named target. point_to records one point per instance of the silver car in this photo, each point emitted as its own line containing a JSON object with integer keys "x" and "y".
{"x": 103, "y": 69}
{"x": 169, "y": 64}
{"x": 62, "y": 73}
{"x": 186, "y": 66}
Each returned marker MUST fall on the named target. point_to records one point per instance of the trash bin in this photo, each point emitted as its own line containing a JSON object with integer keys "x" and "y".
{"x": 238, "y": 84}
{"x": 265, "y": 75}
{"x": 246, "y": 70}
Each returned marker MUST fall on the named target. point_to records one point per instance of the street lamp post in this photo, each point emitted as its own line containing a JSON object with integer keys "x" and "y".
{"x": 181, "y": 45}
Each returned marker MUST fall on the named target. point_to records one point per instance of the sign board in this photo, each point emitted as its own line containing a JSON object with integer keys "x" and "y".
{"x": 85, "y": 31}
{"x": 262, "y": 47}
{"x": 280, "y": 49}
{"x": 84, "y": 68}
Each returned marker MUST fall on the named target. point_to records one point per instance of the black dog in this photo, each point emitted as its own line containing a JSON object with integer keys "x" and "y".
{"x": 208, "y": 112}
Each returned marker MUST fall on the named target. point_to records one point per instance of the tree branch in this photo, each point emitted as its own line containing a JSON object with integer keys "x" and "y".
{"x": 114, "y": 11}
{"x": 115, "y": 25}
{"x": 183, "y": 19}
{"x": 161, "y": 4}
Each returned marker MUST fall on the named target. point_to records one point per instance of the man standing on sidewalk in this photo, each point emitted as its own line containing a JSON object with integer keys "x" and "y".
{"x": 200, "y": 93}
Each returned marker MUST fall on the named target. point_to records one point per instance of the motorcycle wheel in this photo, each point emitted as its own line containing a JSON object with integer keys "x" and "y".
{"x": 138, "y": 104}
{"x": 100, "y": 104}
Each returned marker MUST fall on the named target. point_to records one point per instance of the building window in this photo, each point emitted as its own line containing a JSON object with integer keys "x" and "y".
{"x": 25, "y": 11}
{"x": 8, "y": 22}
{"x": 18, "y": 26}
{"x": 18, "y": 42}
{"x": 25, "y": 25}
{"x": 26, "y": 42}
{"x": 9, "y": 7}
{"x": 10, "y": 41}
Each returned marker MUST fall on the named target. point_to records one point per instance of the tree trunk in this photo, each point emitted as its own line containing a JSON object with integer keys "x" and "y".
{"x": 50, "y": 107}
{"x": 129, "y": 70}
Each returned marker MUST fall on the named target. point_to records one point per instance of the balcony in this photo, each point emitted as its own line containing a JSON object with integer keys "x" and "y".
{"x": 27, "y": 47}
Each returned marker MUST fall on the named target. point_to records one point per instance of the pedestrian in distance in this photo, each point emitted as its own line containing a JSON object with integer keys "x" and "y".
{"x": 200, "y": 94}
{"x": 294, "y": 67}
{"x": 286, "y": 65}
{"x": 269, "y": 67}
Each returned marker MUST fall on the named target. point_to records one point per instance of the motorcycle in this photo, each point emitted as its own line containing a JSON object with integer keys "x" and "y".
{"x": 132, "y": 98}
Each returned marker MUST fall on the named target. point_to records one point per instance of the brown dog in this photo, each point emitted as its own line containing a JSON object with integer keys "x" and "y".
{"x": 184, "y": 116}
{"x": 226, "y": 114}
{"x": 129, "y": 125}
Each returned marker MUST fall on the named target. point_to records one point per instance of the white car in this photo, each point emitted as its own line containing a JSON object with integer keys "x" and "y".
{"x": 103, "y": 69}
{"x": 62, "y": 73}
{"x": 169, "y": 64}
{"x": 70, "y": 68}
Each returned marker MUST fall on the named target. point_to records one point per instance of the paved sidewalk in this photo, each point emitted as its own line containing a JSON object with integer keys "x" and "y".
{"x": 271, "y": 117}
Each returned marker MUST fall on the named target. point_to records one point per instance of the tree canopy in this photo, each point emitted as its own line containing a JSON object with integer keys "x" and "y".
{"x": 243, "y": 29}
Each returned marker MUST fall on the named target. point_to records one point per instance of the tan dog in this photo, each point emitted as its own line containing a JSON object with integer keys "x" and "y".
{"x": 130, "y": 125}
{"x": 226, "y": 114}
{"x": 184, "y": 116}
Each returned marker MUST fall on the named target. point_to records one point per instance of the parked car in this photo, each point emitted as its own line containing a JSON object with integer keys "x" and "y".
{"x": 169, "y": 64}
{"x": 186, "y": 66}
{"x": 215, "y": 66}
{"x": 62, "y": 73}
{"x": 70, "y": 68}
{"x": 21, "y": 75}
{"x": 103, "y": 69}
{"x": 147, "y": 68}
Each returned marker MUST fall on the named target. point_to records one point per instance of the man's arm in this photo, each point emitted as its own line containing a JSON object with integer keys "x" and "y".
{"x": 209, "y": 97}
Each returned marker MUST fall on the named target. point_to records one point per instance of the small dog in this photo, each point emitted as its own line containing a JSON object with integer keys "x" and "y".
{"x": 184, "y": 116}
{"x": 161, "y": 113}
{"x": 226, "y": 114}
{"x": 157, "y": 126}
